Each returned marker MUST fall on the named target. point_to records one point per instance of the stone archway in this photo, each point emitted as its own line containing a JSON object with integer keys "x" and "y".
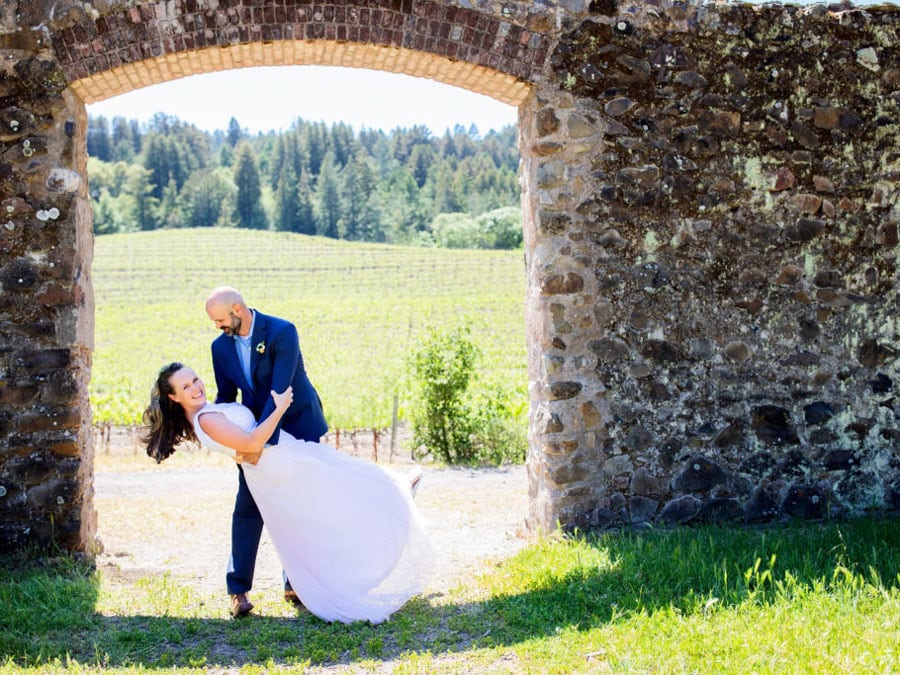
{"x": 711, "y": 197}
{"x": 71, "y": 53}
{"x": 154, "y": 43}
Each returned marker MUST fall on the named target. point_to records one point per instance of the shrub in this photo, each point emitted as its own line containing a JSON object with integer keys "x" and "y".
{"x": 442, "y": 422}
{"x": 500, "y": 429}
{"x": 452, "y": 423}
{"x": 500, "y": 228}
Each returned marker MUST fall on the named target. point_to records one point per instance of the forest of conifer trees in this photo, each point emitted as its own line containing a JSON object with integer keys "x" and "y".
{"x": 406, "y": 186}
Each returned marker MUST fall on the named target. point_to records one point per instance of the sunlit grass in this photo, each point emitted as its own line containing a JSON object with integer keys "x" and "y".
{"x": 359, "y": 309}
{"x": 806, "y": 598}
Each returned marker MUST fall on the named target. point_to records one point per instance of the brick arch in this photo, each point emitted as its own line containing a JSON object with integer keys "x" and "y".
{"x": 140, "y": 46}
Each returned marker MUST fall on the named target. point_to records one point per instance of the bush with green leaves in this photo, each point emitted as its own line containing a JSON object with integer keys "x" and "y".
{"x": 442, "y": 367}
{"x": 454, "y": 421}
{"x": 500, "y": 429}
{"x": 497, "y": 229}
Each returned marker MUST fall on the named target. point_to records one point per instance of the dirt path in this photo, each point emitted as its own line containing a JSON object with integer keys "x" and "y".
{"x": 176, "y": 518}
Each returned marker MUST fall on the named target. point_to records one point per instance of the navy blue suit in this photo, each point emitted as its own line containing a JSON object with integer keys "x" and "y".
{"x": 275, "y": 363}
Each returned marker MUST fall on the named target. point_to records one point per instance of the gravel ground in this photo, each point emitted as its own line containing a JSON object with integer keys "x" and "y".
{"x": 175, "y": 518}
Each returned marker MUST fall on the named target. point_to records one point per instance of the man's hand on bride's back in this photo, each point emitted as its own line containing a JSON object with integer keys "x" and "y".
{"x": 283, "y": 400}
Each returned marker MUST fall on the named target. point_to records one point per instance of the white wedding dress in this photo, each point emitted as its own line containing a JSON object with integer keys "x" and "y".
{"x": 349, "y": 536}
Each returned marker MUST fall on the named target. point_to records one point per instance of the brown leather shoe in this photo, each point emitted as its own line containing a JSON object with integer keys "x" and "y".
{"x": 292, "y": 597}
{"x": 240, "y": 605}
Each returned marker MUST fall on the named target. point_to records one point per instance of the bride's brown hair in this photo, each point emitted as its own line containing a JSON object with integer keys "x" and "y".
{"x": 165, "y": 424}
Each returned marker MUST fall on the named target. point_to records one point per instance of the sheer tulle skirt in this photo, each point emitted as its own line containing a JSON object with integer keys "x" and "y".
{"x": 351, "y": 540}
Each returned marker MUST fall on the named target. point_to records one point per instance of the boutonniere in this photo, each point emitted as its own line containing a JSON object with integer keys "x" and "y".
{"x": 261, "y": 348}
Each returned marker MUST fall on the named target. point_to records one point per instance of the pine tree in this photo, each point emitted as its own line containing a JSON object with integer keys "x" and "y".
{"x": 359, "y": 213}
{"x": 248, "y": 209}
{"x": 276, "y": 162}
{"x": 328, "y": 200}
{"x": 156, "y": 160}
{"x": 306, "y": 215}
{"x": 208, "y": 197}
{"x": 317, "y": 146}
{"x": 342, "y": 143}
{"x": 143, "y": 209}
{"x": 137, "y": 136}
{"x": 171, "y": 207}
{"x": 420, "y": 161}
{"x": 98, "y": 141}
{"x": 286, "y": 197}
{"x": 235, "y": 133}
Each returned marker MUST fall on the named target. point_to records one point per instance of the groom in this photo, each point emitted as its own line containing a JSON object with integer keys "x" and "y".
{"x": 255, "y": 354}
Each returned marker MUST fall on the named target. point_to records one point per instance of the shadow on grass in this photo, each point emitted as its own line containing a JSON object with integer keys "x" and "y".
{"x": 579, "y": 582}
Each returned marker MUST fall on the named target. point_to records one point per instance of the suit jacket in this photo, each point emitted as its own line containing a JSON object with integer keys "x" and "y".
{"x": 275, "y": 363}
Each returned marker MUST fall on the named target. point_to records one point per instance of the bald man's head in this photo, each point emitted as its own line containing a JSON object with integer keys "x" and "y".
{"x": 226, "y": 308}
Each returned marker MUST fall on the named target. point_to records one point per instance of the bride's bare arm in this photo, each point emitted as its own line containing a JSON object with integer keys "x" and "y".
{"x": 246, "y": 444}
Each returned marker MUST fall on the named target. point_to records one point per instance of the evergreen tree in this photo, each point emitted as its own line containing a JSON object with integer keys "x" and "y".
{"x": 235, "y": 134}
{"x": 265, "y": 146}
{"x": 444, "y": 190}
{"x": 226, "y": 155}
{"x": 168, "y": 157}
{"x": 420, "y": 161}
{"x": 194, "y": 146}
{"x": 121, "y": 132}
{"x": 342, "y": 143}
{"x": 294, "y": 154}
{"x": 276, "y": 165}
{"x": 209, "y": 196}
{"x": 137, "y": 136}
{"x": 315, "y": 138}
{"x": 359, "y": 213}
{"x": 286, "y": 201}
{"x": 248, "y": 209}
{"x": 142, "y": 208}
{"x": 156, "y": 161}
{"x": 448, "y": 146}
{"x": 328, "y": 200}
{"x": 123, "y": 151}
{"x": 399, "y": 203}
{"x": 404, "y": 140}
{"x": 306, "y": 213}
{"x": 172, "y": 207}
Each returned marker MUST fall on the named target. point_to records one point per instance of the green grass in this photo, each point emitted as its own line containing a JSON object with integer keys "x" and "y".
{"x": 359, "y": 309}
{"x": 805, "y": 598}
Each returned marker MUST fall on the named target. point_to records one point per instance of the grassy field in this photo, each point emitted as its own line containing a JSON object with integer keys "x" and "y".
{"x": 807, "y": 598}
{"x": 359, "y": 309}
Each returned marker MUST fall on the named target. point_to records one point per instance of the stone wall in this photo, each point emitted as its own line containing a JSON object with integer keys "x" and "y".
{"x": 712, "y": 246}
{"x": 710, "y": 196}
{"x": 46, "y": 306}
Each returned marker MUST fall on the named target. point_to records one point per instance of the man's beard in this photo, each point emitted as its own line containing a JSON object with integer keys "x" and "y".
{"x": 232, "y": 329}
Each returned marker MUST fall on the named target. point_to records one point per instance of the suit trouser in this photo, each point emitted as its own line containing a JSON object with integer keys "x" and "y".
{"x": 246, "y": 530}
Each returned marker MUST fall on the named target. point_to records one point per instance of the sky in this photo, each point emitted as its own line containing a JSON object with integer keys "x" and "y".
{"x": 271, "y": 98}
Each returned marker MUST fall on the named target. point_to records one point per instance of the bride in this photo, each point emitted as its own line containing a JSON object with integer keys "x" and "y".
{"x": 347, "y": 532}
